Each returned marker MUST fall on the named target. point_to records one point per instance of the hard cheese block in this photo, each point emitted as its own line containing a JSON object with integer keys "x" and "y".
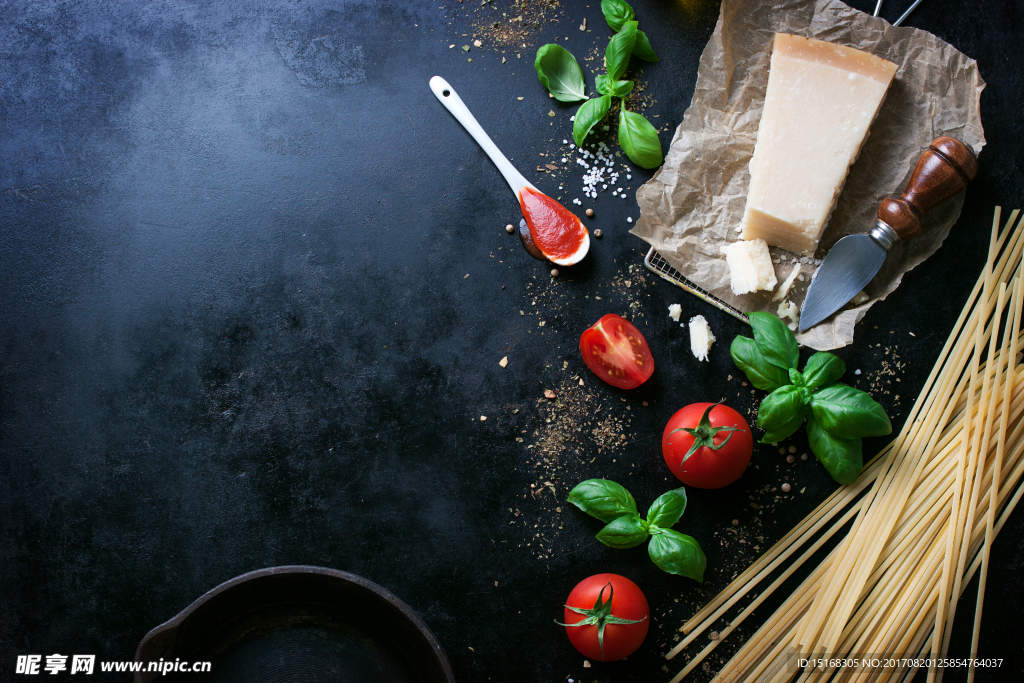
{"x": 820, "y": 102}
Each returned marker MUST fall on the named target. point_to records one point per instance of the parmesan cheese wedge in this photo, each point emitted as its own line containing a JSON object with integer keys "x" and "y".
{"x": 701, "y": 338}
{"x": 750, "y": 266}
{"x": 820, "y": 101}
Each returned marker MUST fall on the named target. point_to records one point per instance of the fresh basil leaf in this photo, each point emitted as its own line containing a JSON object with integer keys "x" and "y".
{"x": 639, "y": 140}
{"x": 642, "y": 48}
{"x": 606, "y": 86}
{"x": 620, "y": 47}
{"x": 678, "y": 553}
{"x": 587, "y": 116}
{"x": 558, "y": 70}
{"x": 781, "y": 413}
{"x": 627, "y": 531}
{"x": 842, "y": 458}
{"x": 616, "y": 13}
{"x": 822, "y": 369}
{"x": 762, "y": 374}
{"x": 847, "y": 412}
{"x": 775, "y": 340}
{"x": 668, "y": 508}
{"x": 603, "y": 499}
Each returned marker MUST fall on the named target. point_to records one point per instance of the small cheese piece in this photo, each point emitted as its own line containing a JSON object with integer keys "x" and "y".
{"x": 782, "y": 291}
{"x": 674, "y": 311}
{"x": 701, "y": 338}
{"x": 750, "y": 266}
{"x": 820, "y": 101}
{"x": 788, "y": 309}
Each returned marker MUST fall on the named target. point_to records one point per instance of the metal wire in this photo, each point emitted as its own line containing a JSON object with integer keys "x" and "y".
{"x": 878, "y": 8}
{"x": 907, "y": 13}
{"x": 657, "y": 264}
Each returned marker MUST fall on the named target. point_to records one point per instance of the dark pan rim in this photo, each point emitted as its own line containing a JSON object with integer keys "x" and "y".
{"x": 175, "y": 621}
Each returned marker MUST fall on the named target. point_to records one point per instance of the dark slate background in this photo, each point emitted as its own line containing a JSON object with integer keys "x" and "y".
{"x": 236, "y": 330}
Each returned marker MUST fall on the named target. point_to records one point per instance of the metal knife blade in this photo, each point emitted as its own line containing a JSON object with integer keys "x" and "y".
{"x": 943, "y": 171}
{"x": 849, "y": 266}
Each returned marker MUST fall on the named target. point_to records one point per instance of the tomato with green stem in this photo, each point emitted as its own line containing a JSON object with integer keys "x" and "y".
{"x": 707, "y": 445}
{"x": 606, "y": 617}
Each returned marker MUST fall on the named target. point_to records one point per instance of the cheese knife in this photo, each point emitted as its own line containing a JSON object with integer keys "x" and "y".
{"x": 943, "y": 171}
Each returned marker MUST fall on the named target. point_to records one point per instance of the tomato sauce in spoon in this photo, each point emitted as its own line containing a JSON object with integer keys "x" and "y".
{"x": 555, "y": 231}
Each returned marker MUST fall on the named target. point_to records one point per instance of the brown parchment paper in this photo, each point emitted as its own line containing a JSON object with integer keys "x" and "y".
{"x": 694, "y": 204}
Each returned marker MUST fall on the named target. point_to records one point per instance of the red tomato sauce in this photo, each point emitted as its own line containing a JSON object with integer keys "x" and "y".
{"x": 555, "y": 230}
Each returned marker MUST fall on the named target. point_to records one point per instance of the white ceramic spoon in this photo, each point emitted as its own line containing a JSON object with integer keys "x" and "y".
{"x": 454, "y": 104}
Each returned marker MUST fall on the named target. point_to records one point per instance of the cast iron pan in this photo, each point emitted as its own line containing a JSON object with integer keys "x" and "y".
{"x": 297, "y": 624}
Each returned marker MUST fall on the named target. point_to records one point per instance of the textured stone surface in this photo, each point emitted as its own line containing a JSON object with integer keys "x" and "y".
{"x": 236, "y": 331}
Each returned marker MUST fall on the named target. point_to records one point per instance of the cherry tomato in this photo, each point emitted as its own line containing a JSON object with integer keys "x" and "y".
{"x": 617, "y": 352}
{"x": 606, "y": 617}
{"x": 707, "y": 445}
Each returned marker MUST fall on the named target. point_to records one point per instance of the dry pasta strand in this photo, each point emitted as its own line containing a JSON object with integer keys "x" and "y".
{"x": 925, "y": 511}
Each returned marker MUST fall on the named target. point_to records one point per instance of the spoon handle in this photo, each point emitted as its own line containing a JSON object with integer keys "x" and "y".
{"x": 453, "y": 103}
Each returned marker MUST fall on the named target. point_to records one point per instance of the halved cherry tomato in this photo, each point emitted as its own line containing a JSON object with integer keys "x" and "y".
{"x": 707, "y": 445}
{"x": 617, "y": 352}
{"x": 606, "y": 617}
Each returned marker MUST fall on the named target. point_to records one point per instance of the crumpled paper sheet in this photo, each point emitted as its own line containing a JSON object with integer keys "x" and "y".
{"x": 695, "y": 203}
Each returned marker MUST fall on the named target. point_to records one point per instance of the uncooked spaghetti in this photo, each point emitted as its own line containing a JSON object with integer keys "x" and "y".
{"x": 924, "y": 513}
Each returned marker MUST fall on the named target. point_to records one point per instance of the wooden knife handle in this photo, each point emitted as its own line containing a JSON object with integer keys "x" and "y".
{"x": 944, "y": 169}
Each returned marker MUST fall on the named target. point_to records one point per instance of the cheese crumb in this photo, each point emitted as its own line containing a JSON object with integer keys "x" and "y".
{"x": 674, "y": 311}
{"x": 860, "y": 298}
{"x": 503, "y": 362}
{"x": 788, "y": 309}
{"x": 701, "y": 338}
{"x": 750, "y": 266}
{"x": 781, "y": 293}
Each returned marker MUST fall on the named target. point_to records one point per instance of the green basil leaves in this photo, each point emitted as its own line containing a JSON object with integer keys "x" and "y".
{"x": 559, "y": 72}
{"x": 642, "y": 48}
{"x": 616, "y": 13}
{"x": 588, "y": 116}
{"x": 677, "y": 553}
{"x": 762, "y": 374}
{"x": 620, "y": 47}
{"x": 606, "y": 85}
{"x": 849, "y": 413}
{"x": 639, "y": 140}
{"x": 775, "y": 341}
{"x": 822, "y": 369}
{"x": 672, "y": 551}
{"x": 667, "y": 509}
{"x": 842, "y": 458}
{"x": 837, "y": 415}
{"x": 603, "y": 499}
{"x": 627, "y": 531}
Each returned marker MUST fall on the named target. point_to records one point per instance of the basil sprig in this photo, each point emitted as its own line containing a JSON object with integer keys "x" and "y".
{"x": 837, "y": 415}
{"x": 558, "y": 71}
{"x": 611, "y": 503}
